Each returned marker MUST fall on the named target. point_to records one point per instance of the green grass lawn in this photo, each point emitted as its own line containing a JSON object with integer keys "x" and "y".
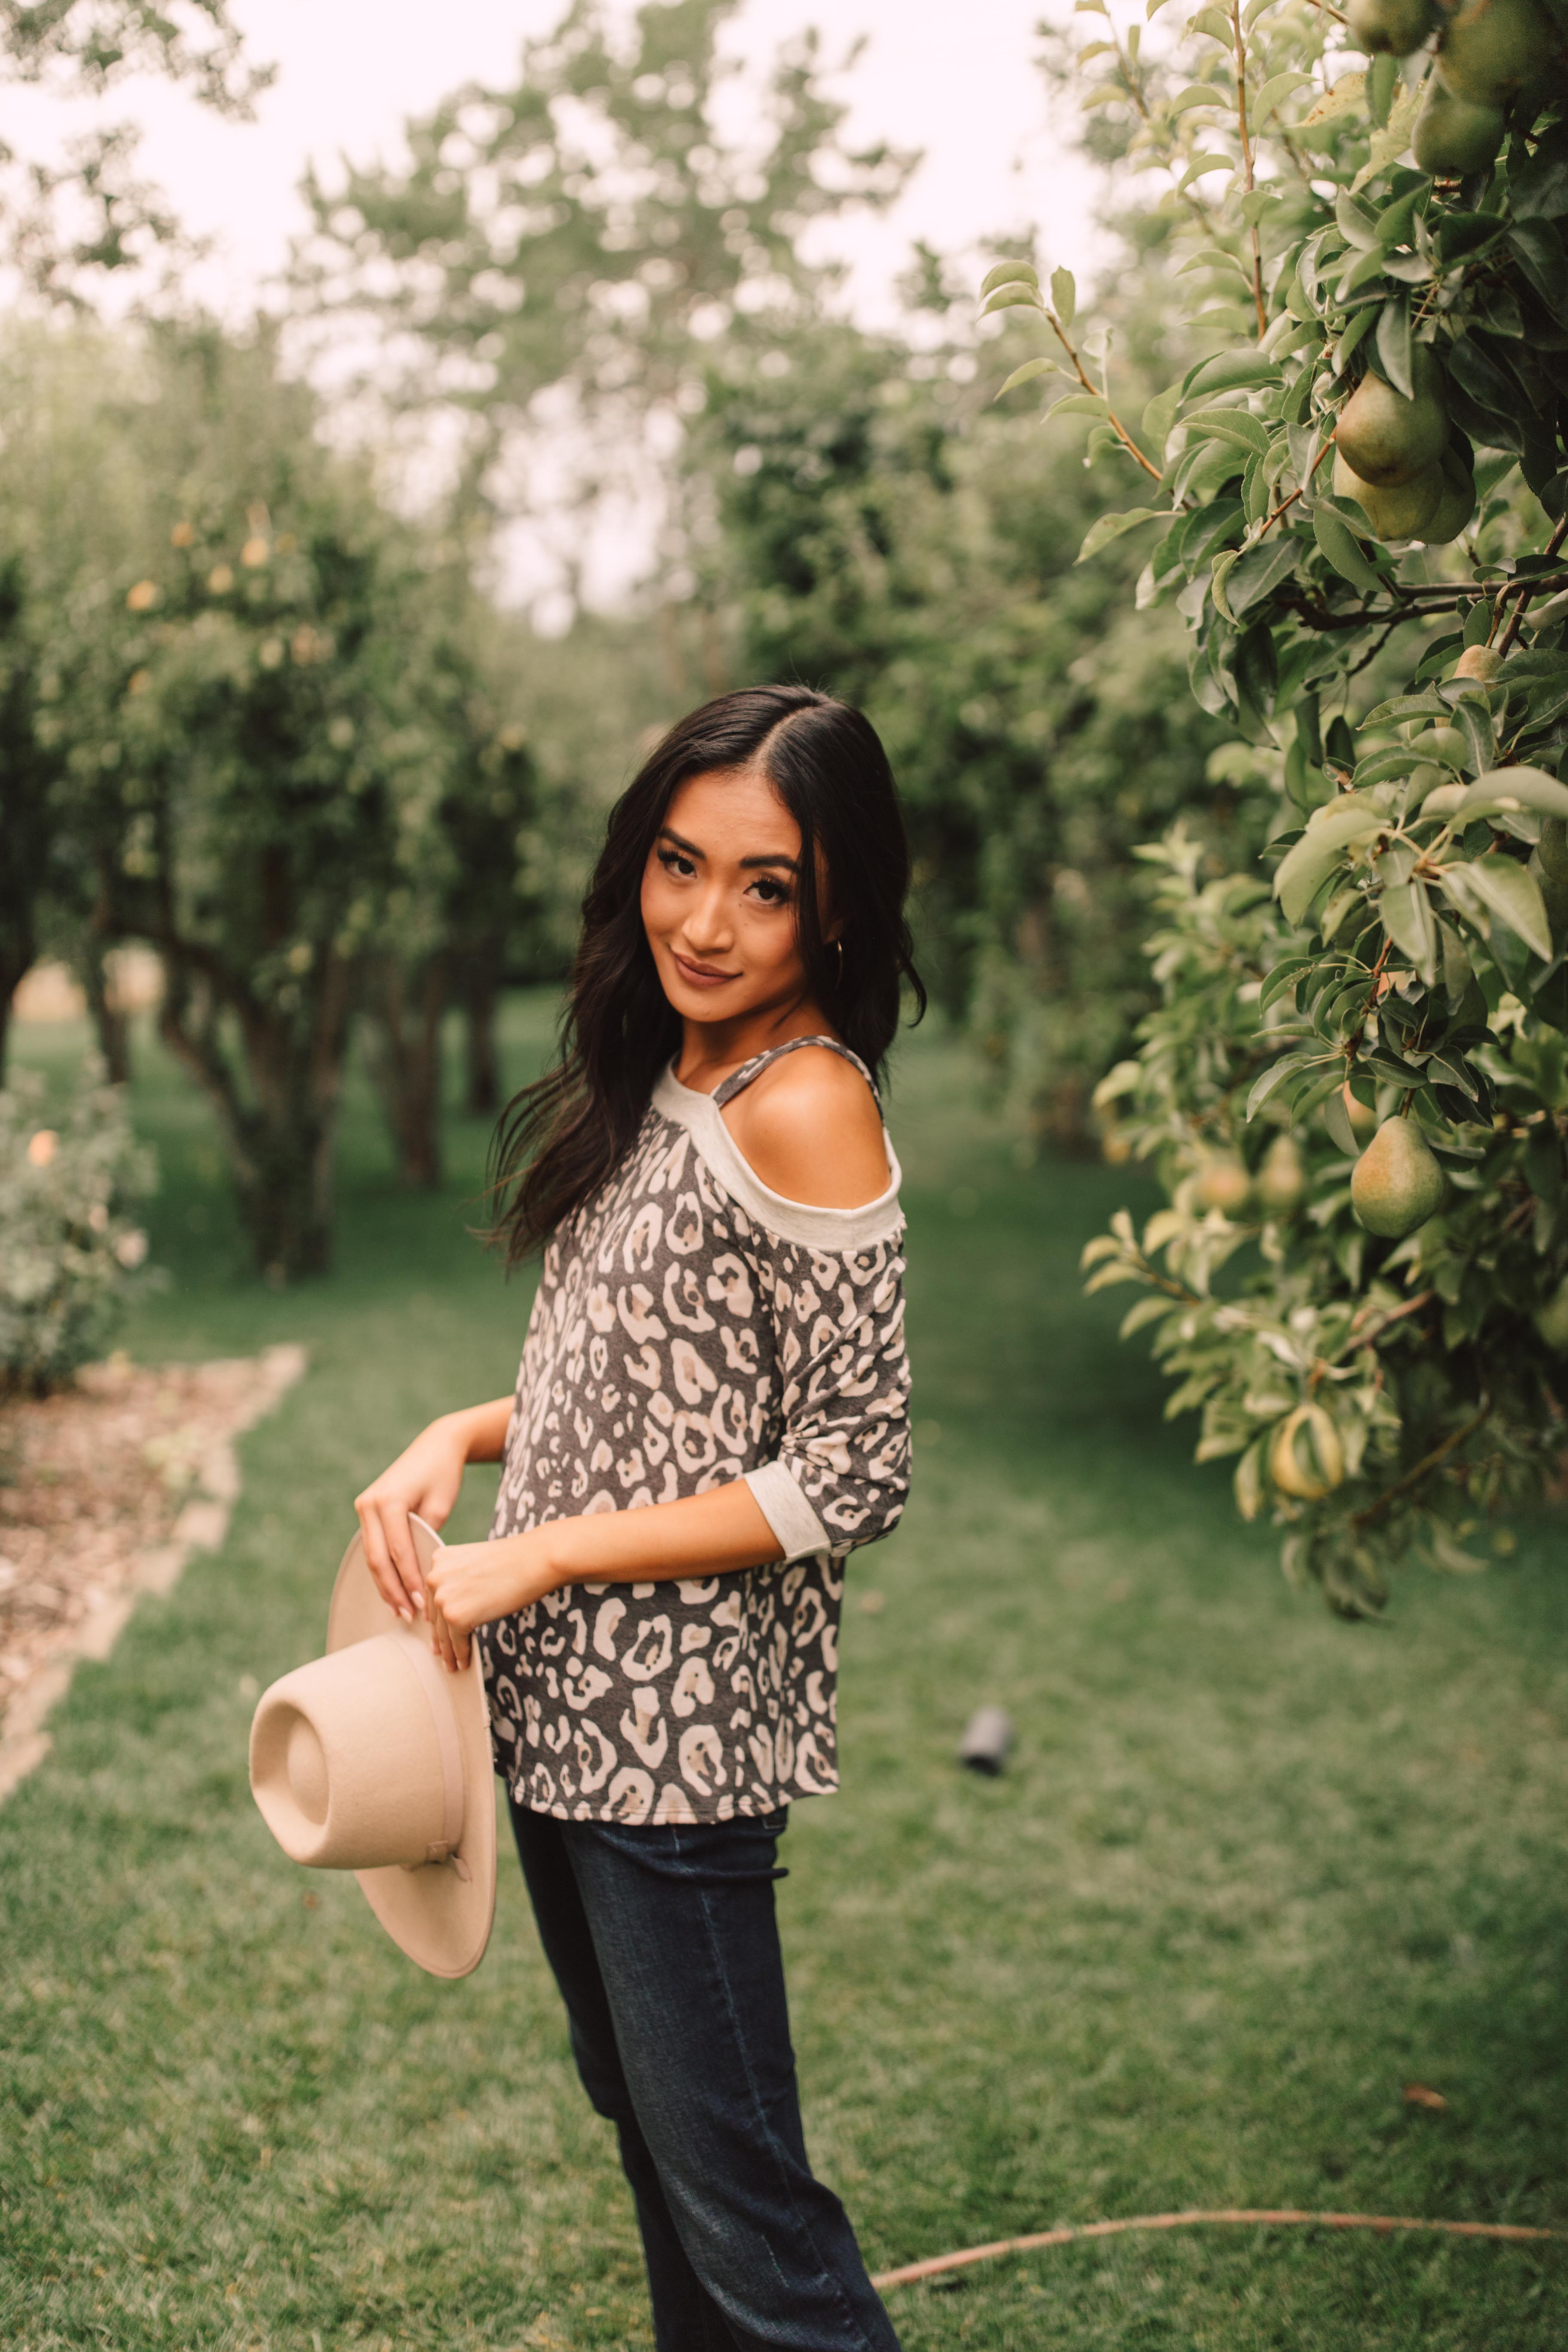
{"x": 1251, "y": 1871}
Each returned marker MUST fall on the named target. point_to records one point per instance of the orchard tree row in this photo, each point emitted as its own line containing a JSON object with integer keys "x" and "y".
{"x": 1355, "y": 492}
{"x": 249, "y": 719}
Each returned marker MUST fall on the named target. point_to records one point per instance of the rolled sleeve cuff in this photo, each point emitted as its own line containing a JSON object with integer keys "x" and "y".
{"x": 788, "y": 1512}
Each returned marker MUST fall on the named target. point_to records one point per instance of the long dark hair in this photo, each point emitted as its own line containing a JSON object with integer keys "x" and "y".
{"x": 559, "y": 1139}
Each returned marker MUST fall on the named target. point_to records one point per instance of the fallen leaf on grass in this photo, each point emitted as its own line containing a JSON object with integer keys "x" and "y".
{"x": 1417, "y": 2095}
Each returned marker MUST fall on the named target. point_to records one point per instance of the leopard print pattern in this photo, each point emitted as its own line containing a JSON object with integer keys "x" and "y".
{"x": 675, "y": 1343}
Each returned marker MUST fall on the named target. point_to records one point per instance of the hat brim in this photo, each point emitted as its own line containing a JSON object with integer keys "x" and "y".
{"x": 440, "y": 1917}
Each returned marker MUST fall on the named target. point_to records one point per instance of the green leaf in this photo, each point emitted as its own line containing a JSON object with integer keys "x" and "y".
{"x": 1345, "y": 98}
{"x": 1111, "y": 526}
{"x": 1304, "y": 869}
{"x": 1213, "y": 256}
{"x": 1511, "y": 893}
{"x": 1278, "y": 86}
{"x": 1394, "y": 347}
{"x": 1064, "y": 295}
{"x": 1538, "y": 249}
{"x": 1396, "y": 222}
{"x": 1337, "y": 543}
{"x": 1197, "y": 93}
{"x": 1382, "y": 767}
{"x": 1215, "y": 25}
{"x": 1350, "y": 343}
{"x": 1537, "y": 189}
{"x": 1291, "y": 1066}
{"x": 1261, "y": 571}
{"x": 1365, "y": 268}
{"x": 1079, "y": 403}
{"x": 1233, "y": 424}
{"x": 1337, "y": 1119}
{"x": 1160, "y": 416}
{"x": 1248, "y": 1485}
{"x": 1283, "y": 976}
{"x": 1200, "y": 167}
{"x": 1010, "y": 298}
{"x": 1231, "y": 371}
{"x": 1405, "y": 706}
{"x": 1502, "y": 791}
{"x": 1408, "y": 920}
{"x": 1009, "y": 273}
{"x": 1026, "y": 374}
{"x": 1382, "y": 77}
{"x": 1434, "y": 748}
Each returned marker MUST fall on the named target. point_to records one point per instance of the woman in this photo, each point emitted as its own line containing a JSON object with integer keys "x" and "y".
{"x": 711, "y": 1414}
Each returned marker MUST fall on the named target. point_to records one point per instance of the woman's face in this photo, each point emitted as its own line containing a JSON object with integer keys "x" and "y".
{"x": 719, "y": 895}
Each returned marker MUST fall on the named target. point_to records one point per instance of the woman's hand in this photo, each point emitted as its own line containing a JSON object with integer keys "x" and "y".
{"x": 426, "y": 1477}
{"x": 470, "y": 1584}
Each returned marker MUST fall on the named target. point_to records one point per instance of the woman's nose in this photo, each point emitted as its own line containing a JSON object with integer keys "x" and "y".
{"x": 708, "y": 925}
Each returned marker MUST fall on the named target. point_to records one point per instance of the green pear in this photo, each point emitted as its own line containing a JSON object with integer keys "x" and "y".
{"x": 1453, "y": 137}
{"x": 1552, "y": 1320}
{"x": 1387, "y": 439}
{"x": 1456, "y": 505}
{"x": 1396, "y": 1185}
{"x": 1310, "y": 1469}
{"x": 1224, "y": 1184}
{"x": 1361, "y": 1116}
{"x": 1389, "y": 28}
{"x": 1481, "y": 663}
{"x": 1281, "y": 1181}
{"x": 1490, "y": 48}
{"x": 1555, "y": 848}
{"x": 1400, "y": 512}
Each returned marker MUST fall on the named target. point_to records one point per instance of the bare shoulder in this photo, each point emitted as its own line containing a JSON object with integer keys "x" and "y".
{"x": 809, "y": 1126}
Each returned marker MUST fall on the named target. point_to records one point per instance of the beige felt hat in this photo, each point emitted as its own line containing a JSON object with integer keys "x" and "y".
{"x": 377, "y": 1759}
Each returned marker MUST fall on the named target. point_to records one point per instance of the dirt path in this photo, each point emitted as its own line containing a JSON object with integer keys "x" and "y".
{"x": 105, "y": 1490}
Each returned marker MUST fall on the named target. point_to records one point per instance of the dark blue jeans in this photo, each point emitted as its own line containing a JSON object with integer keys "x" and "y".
{"x": 664, "y": 1947}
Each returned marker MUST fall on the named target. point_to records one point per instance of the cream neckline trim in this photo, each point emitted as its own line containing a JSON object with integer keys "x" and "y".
{"x": 792, "y": 1221}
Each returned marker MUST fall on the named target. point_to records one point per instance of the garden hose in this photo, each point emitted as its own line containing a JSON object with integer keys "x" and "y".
{"x": 937, "y": 2263}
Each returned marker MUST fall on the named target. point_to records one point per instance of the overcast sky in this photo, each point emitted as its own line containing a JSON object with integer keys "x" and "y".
{"x": 956, "y": 81}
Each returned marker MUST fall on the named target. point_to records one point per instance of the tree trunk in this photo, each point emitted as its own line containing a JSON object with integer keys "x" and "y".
{"x": 482, "y": 992}
{"x": 108, "y": 1018}
{"x": 406, "y": 1013}
{"x": 18, "y": 950}
{"x": 280, "y": 1130}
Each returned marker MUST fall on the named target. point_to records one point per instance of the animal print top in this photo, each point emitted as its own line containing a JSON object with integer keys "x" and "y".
{"x": 690, "y": 1326}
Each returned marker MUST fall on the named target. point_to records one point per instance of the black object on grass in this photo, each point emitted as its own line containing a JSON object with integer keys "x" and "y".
{"x": 987, "y": 1738}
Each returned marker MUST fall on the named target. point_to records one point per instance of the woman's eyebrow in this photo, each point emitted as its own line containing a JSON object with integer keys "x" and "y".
{"x": 773, "y": 857}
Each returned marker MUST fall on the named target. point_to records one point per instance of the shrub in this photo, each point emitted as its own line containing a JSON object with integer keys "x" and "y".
{"x": 67, "y": 1245}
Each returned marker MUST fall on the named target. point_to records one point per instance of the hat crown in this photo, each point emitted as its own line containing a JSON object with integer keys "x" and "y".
{"x": 376, "y": 1759}
{"x": 355, "y": 1760}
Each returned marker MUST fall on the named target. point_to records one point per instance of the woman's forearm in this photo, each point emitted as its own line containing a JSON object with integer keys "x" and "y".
{"x": 482, "y": 1428}
{"x": 703, "y": 1535}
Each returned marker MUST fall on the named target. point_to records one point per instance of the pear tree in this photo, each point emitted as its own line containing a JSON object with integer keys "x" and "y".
{"x": 1354, "y": 1087}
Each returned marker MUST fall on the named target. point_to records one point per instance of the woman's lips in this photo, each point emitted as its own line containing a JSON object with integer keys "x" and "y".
{"x": 700, "y": 975}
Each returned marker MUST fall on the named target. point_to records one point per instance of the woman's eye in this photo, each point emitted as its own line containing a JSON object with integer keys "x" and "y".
{"x": 770, "y": 893}
{"x": 673, "y": 862}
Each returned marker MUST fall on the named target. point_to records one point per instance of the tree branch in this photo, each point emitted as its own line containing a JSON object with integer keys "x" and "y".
{"x": 1422, "y": 1469}
{"x": 1111, "y": 418}
{"x": 1530, "y": 588}
{"x": 1241, "y": 37}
